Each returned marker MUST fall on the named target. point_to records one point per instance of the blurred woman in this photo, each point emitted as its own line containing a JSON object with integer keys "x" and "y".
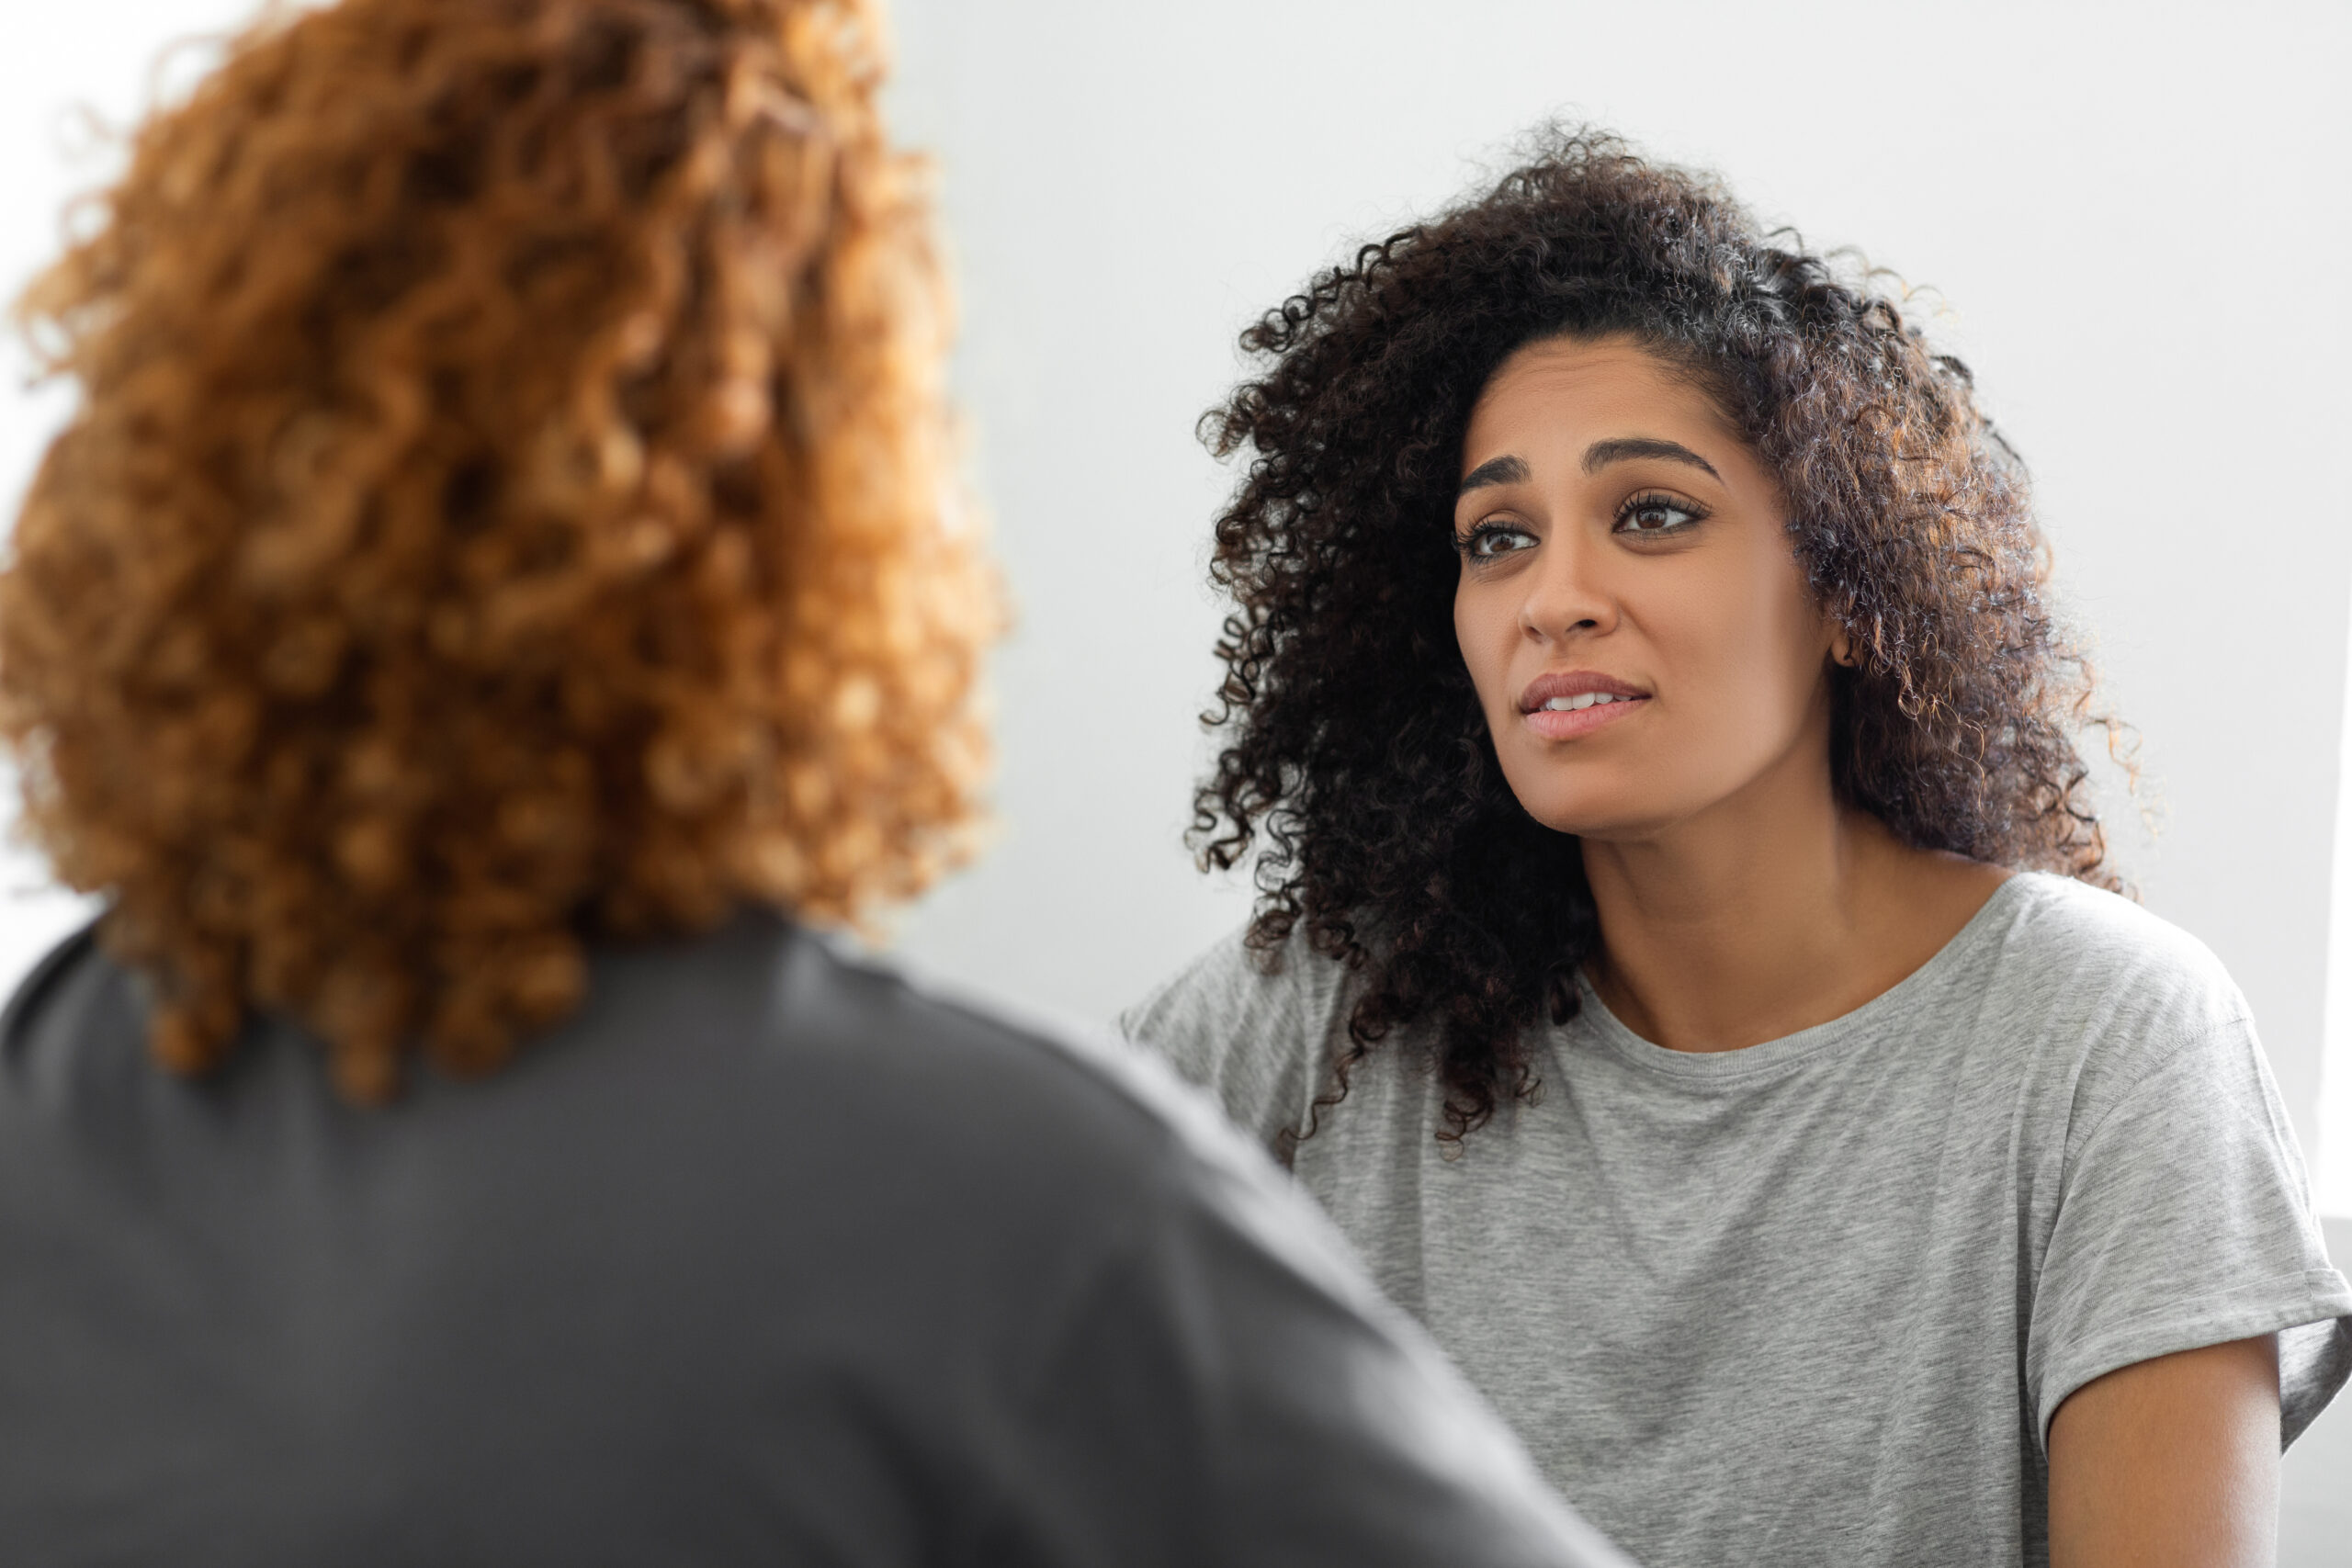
{"x": 494, "y": 595}
{"x": 1688, "y": 967}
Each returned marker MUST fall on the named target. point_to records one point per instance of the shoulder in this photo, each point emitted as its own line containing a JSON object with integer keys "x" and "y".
{"x": 1052, "y": 1137}
{"x": 1233, "y": 981}
{"x": 2054, "y": 940}
{"x": 76, "y": 1027}
{"x": 1057, "y": 1060}
{"x": 1253, "y": 1026}
{"x": 2106, "y": 995}
{"x": 2169, "y": 1206}
{"x": 805, "y": 1029}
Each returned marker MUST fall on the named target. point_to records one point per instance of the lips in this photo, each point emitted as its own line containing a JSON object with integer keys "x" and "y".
{"x": 1566, "y": 705}
{"x": 1573, "y": 685}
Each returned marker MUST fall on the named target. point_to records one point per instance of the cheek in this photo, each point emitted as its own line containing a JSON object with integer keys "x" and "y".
{"x": 1752, "y": 658}
{"x": 1485, "y": 632}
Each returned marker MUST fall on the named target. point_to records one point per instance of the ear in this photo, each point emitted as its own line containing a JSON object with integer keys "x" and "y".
{"x": 1841, "y": 649}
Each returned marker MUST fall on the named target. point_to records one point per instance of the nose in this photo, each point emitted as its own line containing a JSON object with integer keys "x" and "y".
{"x": 1568, "y": 594}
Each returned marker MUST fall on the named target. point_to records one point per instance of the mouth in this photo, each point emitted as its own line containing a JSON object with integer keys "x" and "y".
{"x": 1562, "y": 706}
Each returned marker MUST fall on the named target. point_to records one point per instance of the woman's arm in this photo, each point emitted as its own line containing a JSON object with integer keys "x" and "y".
{"x": 2170, "y": 1463}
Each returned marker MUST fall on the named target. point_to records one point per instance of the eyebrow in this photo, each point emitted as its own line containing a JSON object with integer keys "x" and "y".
{"x": 1507, "y": 471}
{"x": 1494, "y": 471}
{"x": 1600, "y": 454}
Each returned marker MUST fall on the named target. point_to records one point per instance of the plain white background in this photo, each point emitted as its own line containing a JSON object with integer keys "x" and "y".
{"x": 2132, "y": 216}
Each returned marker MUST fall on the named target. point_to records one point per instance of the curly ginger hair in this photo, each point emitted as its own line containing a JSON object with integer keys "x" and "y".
{"x": 508, "y": 504}
{"x": 1357, "y": 764}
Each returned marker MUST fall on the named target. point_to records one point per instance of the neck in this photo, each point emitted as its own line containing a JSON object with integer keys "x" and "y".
{"x": 1772, "y": 912}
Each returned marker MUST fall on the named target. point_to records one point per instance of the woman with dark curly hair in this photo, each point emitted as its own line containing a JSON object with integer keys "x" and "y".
{"x": 1688, "y": 965}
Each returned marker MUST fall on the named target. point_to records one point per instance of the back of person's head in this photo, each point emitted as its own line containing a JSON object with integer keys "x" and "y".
{"x": 506, "y": 506}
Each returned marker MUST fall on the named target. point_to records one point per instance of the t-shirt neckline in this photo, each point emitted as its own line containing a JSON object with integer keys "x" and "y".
{"x": 1769, "y": 1056}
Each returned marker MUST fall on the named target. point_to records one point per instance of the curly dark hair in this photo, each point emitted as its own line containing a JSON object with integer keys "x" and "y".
{"x": 1359, "y": 764}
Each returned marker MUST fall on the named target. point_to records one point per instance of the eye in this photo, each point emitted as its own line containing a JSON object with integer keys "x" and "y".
{"x": 1489, "y": 541}
{"x": 1657, "y": 513}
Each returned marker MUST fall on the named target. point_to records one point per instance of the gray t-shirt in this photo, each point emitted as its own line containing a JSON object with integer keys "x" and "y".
{"x": 1816, "y": 1301}
{"x": 763, "y": 1257}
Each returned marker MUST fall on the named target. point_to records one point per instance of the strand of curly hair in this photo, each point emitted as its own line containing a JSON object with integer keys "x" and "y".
{"x": 504, "y": 508}
{"x": 1357, "y": 765}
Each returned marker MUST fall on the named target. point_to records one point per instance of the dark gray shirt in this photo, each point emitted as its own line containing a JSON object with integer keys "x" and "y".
{"x": 763, "y": 1257}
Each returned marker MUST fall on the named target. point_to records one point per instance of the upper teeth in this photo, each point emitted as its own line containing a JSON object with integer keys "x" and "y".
{"x": 1582, "y": 700}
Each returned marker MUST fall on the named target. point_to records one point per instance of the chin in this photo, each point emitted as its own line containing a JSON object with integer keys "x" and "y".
{"x": 1579, "y": 812}
{"x": 1579, "y": 827}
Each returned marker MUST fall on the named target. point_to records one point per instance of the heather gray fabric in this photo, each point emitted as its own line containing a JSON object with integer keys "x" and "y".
{"x": 1816, "y": 1302}
{"x": 764, "y": 1258}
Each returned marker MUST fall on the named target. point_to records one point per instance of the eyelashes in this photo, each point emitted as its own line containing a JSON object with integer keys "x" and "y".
{"x": 1479, "y": 542}
{"x": 1654, "y": 501}
{"x": 1644, "y": 514}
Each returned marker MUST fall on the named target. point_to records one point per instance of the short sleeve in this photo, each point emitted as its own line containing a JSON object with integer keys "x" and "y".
{"x": 2185, "y": 1220}
{"x": 1253, "y": 1038}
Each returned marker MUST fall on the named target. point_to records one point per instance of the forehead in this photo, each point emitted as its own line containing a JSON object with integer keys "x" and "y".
{"x": 1575, "y": 392}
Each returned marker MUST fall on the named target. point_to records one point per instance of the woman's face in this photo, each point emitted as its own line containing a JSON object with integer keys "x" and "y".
{"x": 1630, "y": 606}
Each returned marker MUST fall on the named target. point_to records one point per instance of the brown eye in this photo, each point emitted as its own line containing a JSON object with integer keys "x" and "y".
{"x": 1490, "y": 540}
{"x": 1656, "y": 514}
